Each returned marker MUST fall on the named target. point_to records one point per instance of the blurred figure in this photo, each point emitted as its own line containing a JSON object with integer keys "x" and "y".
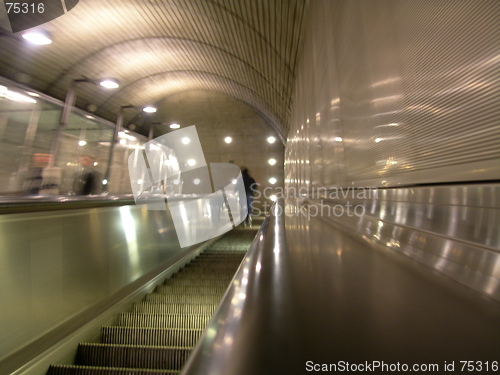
{"x": 87, "y": 182}
{"x": 42, "y": 178}
{"x": 250, "y": 187}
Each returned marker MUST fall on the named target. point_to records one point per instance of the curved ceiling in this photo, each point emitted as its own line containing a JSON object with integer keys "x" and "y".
{"x": 243, "y": 48}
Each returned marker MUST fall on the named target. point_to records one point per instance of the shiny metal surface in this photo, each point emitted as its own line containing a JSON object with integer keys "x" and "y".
{"x": 54, "y": 265}
{"x": 390, "y": 94}
{"x": 311, "y": 293}
{"x": 453, "y": 229}
{"x": 18, "y": 204}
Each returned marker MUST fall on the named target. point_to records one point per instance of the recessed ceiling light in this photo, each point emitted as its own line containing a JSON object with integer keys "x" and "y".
{"x": 37, "y": 37}
{"x": 271, "y": 139}
{"x": 82, "y": 143}
{"x": 272, "y": 161}
{"x": 272, "y": 180}
{"x": 228, "y": 139}
{"x": 149, "y": 109}
{"x": 109, "y": 83}
{"x": 174, "y": 126}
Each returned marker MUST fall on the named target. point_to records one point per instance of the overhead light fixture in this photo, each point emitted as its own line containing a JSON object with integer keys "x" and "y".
{"x": 82, "y": 143}
{"x": 109, "y": 83}
{"x": 272, "y": 161}
{"x": 37, "y": 37}
{"x": 15, "y": 96}
{"x": 174, "y": 126}
{"x": 272, "y": 180}
{"x": 228, "y": 139}
{"x": 271, "y": 139}
{"x": 149, "y": 109}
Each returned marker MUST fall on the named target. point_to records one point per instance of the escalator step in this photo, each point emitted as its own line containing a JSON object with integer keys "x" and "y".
{"x": 205, "y": 276}
{"x": 183, "y": 298}
{"x": 212, "y": 266}
{"x": 208, "y": 271}
{"x": 182, "y": 289}
{"x": 164, "y": 321}
{"x": 132, "y": 356}
{"x": 150, "y": 336}
{"x": 94, "y": 370}
{"x": 173, "y": 308}
{"x": 197, "y": 282}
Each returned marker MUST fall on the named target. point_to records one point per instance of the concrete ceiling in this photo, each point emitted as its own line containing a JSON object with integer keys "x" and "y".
{"x": 246, "y": 49}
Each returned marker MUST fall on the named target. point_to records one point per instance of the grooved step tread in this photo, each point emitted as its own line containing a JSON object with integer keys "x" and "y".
{"x": 96, "y": 370}
{"x": 132, "y": 356}
{"x": 190, "y": 289}
{"x": 183, "y": 298}
{"x": 150, "y": 336}
{"x": 204, "y": 275}
{"x": 197, "y": 282}
{"x": 198, "y": 321}
{"x": 173, "y": 308}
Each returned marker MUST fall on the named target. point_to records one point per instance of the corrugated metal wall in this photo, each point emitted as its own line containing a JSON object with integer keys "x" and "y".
{"x": 395, "y": 93}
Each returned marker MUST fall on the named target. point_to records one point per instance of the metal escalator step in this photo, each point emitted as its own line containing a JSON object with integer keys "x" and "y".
{"x": 205, "y": 276}
{"x": 205, "y": 261}
{"x": 95, "y": 370}
{"x": 214, "y": 266}
{"x": 198, "y": 290}
{"x": 218, "y": 258}
{"x": 208, "y": 271}
{"x": 132, "y": 356}
{"x": 150, "y": 336}
{"x": 173, "y": 308}
{"x": 183, "y": 298}
{"x": 216, "y": 251}
{"x": 198, "y": 321}
{"x": 197, "y": 282}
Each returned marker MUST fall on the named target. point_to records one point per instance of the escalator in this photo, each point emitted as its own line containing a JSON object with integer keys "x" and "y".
{"x": 157, "y": 335}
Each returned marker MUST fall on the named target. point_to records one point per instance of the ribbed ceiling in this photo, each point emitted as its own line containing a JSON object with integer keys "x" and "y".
{"x": 243, "y": 48}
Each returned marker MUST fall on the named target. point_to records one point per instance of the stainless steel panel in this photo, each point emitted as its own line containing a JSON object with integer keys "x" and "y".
{"x": 56, "y": 264}
{"x": 452, "y": 229}
{"x": 396, "y": 92}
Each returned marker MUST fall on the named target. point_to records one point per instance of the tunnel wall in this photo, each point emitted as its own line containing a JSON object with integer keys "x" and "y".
{"x": 392, "y": 93}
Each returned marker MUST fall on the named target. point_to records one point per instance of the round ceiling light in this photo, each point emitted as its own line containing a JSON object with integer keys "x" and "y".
{"x": 37, "y": 37}
{"x": 109, "y": 83}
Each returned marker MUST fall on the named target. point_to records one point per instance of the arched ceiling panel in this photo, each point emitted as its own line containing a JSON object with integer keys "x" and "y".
{"x": 165, "y": 84}
{"x": 249, "y": 45}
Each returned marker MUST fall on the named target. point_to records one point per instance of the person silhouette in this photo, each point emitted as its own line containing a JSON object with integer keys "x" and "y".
{"x": 250, "y": 187}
